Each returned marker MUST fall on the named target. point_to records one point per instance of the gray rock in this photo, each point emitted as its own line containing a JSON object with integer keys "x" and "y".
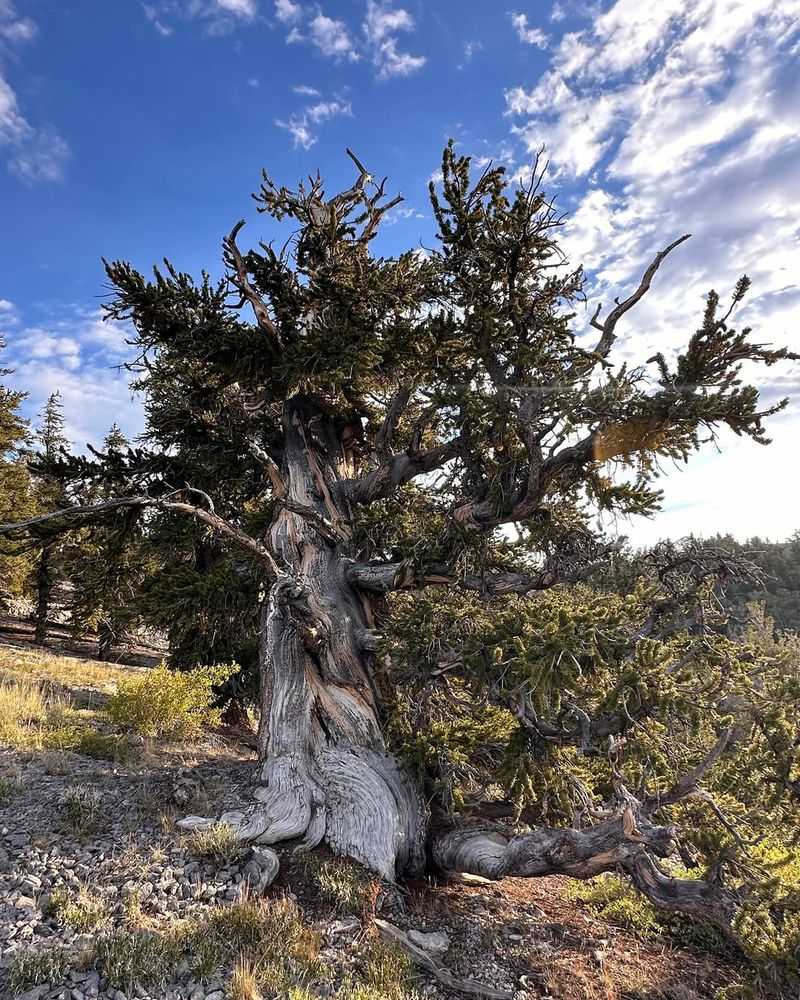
{"x": 345, "y": 926}
{"x": 34, "y": 994}
{"x": 435, "y": 942}
{"x": 262, "y": 868}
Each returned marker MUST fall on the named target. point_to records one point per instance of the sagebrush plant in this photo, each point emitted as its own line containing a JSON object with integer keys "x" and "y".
{"x": 170, "y": 703}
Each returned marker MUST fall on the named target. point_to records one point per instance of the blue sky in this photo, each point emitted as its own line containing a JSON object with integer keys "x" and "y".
{"x": 138, "y": 130}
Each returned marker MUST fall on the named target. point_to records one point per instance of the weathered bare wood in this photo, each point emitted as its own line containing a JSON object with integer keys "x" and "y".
{"x": 74, "y": 517}
{"x": 427, "y": 961}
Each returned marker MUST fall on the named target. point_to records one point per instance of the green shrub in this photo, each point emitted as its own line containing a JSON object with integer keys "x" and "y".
{"x": 169, "y": 703}
{"x": 617, "y": 901}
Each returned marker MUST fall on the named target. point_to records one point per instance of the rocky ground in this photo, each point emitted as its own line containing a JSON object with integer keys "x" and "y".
{"x": 88, "y": 848}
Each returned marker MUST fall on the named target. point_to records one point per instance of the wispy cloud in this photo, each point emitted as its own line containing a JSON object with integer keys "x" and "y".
{"x": 219, "y": 17}
{"x": 334, "y": 38}
{"x": 526, "y": 33}
{"x": 33, "y": 153}
{"x": 305, "y": 91}
{"x": 381, "y": 27}
{"x": 288, "y": 12}
{"x": 77, "y": 354}
{"x": 303, "y": 125}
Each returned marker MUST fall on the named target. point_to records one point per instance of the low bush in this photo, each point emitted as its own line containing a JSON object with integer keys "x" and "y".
{"x": 169, "y": 703}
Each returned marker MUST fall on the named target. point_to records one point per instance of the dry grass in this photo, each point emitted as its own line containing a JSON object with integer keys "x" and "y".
{"x": 82, "y": 810}
{"x": 65, "y": 671}
{"x": 26, "y": 709}
{"x": 348, "y": 886}
{"x": 218, "y": 842}
{"x": 244, "y": 981}
{"x": 79, "y": 910}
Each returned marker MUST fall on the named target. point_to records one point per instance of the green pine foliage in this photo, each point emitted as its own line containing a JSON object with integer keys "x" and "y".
{"x": 16, "y": 496}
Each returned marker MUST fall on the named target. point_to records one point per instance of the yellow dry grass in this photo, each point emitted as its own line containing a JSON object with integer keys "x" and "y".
{"x": 66, "y": 671}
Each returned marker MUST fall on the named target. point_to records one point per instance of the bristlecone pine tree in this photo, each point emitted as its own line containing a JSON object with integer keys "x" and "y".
{"x": 412, "y": 450}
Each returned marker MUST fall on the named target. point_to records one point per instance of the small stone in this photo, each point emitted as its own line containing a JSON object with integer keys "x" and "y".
{"x": 31, "y": 884}
{"x": 25, "y": 903}
{"x": 344, "y": 926}
{"x": 435, "y": 942}
{"x": 215, "y": 995}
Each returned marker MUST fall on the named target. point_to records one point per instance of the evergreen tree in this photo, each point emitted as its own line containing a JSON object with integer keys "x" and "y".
{"x": 107, "y": 563}
{"x": 50, "y": 495}
{"x": 411, "y": 450}
{"x": 15, "y": 487}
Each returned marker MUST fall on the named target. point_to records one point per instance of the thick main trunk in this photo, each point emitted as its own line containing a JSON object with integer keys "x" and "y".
{"x": 324, "y": 772}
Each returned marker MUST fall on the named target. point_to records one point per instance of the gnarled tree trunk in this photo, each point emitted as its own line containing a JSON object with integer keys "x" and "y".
{"x": 324, "y": 771}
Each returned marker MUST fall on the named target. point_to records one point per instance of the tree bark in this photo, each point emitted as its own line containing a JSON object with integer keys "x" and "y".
{"x": 44, "y": 589}
{"x": 324, "y": 770}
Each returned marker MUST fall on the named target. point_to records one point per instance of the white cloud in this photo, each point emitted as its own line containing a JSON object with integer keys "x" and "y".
{"x": 380, "y": 30}
{"x": 218, "y": 16}
{"x": 76, "y": 353}
{"x": 92, "y": 399}
{"x": 33, "y": 154}
{"x": 152, "y": 15}
{"x": 288, "y": 12}
{"x": 13, "y": 28}
{"x": 246, "y": 9}
{"x": 527, "y": 34}
{"x": 302, "y": 125}
{"x": 681, "y": 118}
{"x": 332, "y": 38}
{"x": 305, "y": 91}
